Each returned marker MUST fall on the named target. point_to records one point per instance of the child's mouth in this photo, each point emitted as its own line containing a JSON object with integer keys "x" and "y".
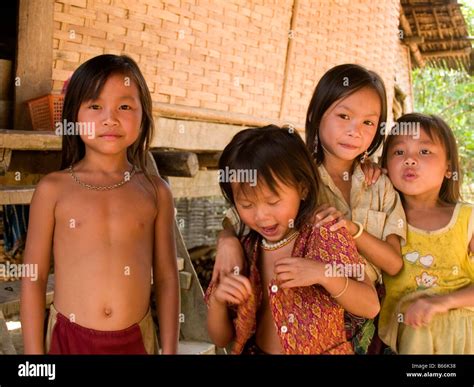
{"x": 410, "y": 176}
{"x": 349, "y": 146}
{"x": 269, "y": 231}
{"x": 110, "y": 136}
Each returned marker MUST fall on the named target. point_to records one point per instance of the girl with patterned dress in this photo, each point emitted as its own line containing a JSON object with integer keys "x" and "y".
{"x": 300, "y": 277}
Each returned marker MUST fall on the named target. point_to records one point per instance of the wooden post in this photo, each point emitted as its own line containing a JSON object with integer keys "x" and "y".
{"x": 34, "y": 56}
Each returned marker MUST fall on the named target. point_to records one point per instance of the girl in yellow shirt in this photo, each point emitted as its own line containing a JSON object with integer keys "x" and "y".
{"x": 429, "y": 304}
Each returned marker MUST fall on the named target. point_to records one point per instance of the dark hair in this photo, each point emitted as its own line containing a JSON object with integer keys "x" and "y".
{"x": 274, "y": 153}
{"x": 340, "y": 82}
{"x": 86, "y": 83}
{"x": 434, "y": 127}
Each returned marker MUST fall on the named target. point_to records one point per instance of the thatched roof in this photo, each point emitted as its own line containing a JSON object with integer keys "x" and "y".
{"x": 436, "y": 32}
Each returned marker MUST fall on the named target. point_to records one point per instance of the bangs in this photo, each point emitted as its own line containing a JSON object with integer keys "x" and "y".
{"x": 255, "y": 170}
{"x": 93, "y": 87}
{"x": 269, "y": 157}
{"x": 265, "y": 179}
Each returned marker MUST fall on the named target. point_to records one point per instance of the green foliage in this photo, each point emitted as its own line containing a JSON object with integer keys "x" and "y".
{"x": 450, "y": 94}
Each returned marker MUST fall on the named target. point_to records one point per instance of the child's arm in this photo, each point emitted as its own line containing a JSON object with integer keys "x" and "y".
{"x": 357, "y": 297}
{"x": 383, "y": 254}
{"x": 232, "y": 289}
{"x": 421, "y": 312}
{"x": 386, "y": 254}
{"x": 229, "y": 249}
{"x": 229, "y": 253}
{"x": 165, "y": 271}
{"x": 37, "y": 252}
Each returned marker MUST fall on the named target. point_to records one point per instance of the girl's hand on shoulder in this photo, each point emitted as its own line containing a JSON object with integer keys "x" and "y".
{"x": 372, "y": 172}
{"x": 293, "y": 272}
{"x": 232, "y": 289}
{"x": 325, "y": 214}
{"x": 421, "y": 312}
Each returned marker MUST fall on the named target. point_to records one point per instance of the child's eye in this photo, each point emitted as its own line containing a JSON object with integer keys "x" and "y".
{"x": 94, "y": 107}
{"x": 343, "y": 116}
{"x": 125, "y": 107}
{"x": 398, "y": 152}
{"x": 369, "y": 123}
{"x": 274, "y": 203}
{"x": 425, "y": 152}
{"x": 245, "y": 206}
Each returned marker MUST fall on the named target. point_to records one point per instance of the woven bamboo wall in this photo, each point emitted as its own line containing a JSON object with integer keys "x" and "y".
{"x": 221, "y": 55}
{"x": 231, "y": 55}
{"x": 328, "y": 33}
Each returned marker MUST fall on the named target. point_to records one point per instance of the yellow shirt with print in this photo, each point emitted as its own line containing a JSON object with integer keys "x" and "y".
{"x": 434, "y": 262}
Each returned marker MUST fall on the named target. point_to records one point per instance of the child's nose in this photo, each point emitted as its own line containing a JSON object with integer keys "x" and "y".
{"x": 109, "y": 118}
{"x": 410, "y": 161}
{"x": 355, "y": 129}
{"x": 260, "y": 214}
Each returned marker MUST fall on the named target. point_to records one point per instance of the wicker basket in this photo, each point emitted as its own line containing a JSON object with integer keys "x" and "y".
{"x": 46, "y": 111}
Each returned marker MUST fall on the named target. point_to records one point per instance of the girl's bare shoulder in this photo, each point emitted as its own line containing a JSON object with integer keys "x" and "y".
{"x": 54, "y": 181}
{"x": 160, "y": 188}
{"x": 50, "y": 187}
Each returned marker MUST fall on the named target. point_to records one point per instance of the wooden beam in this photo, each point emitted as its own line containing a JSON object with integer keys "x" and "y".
{"x": 173, "y": 163}
{"x": 413, "y": 40}
{"x": 417, "y": 26}
{"x": 5, "y": 159}
{"x": 35, "y": 162}
{"x": 16, "y": 194}
{"x": 447, "y": 41}
{"x": 192, "y": 135}
{"x": 29, "y": 140}
{"x": 209, "y": 115}
{"x": 415, "y": 51}
{"x": 169, "y": 133}
{"x": 438, "y": 27}
{"x": 209, "y": 160}
{"x": 170, "y": 163}
{"x": 205, "y": 183}
{"x": 444, "y": 54}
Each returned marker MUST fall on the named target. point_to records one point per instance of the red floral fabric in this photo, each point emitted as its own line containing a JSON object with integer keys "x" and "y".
{"x": 307, "y": 319}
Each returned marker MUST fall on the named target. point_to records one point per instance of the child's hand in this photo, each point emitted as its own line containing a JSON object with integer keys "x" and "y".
{"x": 421, "y": 312}
{"x": 229, "y": 257}
{"x": 372, "y": 172}
{"x": 233, "y": 289}
{"x": 294, "y": 272}
{"x": 325, "y": 214}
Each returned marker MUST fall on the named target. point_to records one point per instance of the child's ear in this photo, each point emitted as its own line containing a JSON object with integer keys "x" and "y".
{"x": 303, "y": 192}
{"x": 448, "y": 173}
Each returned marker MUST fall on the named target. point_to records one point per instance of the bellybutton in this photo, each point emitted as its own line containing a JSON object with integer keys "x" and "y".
{"x": 274, "y": 288}
{"x": 284, "y": 329}
{"x": 108, "y": 312}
